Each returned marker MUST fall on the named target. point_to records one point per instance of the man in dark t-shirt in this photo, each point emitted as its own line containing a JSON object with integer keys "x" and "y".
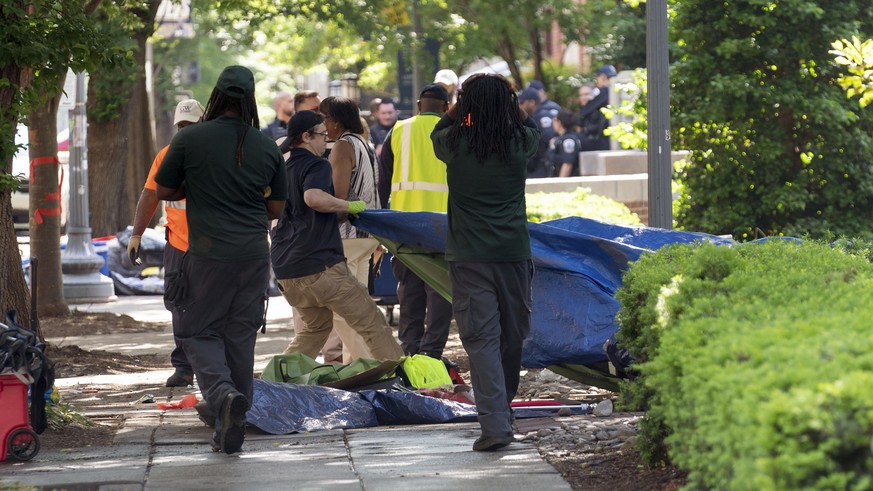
{"x": 234, "y": 181}
{"x": 307, "y": 252}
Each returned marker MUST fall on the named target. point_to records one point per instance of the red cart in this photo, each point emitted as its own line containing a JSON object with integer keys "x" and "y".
{"x": 20, "y": 442}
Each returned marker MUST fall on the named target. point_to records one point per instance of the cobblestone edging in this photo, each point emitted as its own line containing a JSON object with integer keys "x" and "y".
{"x": 581, "y": 438}
{"x": 585, "y": 438}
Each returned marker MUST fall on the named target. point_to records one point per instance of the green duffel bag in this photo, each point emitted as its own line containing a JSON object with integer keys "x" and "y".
{"x": 297, "y": 368}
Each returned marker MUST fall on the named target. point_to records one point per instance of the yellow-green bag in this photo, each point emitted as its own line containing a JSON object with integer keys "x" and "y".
{"x": 425, "y": 372}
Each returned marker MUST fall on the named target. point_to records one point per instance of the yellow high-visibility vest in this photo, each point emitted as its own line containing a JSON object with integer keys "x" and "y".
{"x": 418, "y": 182}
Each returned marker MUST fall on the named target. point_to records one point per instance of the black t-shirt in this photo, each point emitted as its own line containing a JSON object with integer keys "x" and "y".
{"x": 276, "y": 129}
{"x": 378, "y": 133}
{"x": 305, "y": 241}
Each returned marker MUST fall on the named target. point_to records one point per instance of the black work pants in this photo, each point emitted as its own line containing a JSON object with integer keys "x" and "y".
{"x": 172, "y": 262}
{"x": 219, "y": 322}
{"x": 492, "y": 304}
{"x": 425, "y": 316}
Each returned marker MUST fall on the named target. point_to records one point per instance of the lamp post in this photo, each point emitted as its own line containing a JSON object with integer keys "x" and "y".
{"x": 80, "y": 264}
{"x": 660, "y": 162}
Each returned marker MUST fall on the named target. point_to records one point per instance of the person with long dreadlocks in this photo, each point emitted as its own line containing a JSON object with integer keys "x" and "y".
{"x": 233, "y": 178}
{"x": 485, "y": 141}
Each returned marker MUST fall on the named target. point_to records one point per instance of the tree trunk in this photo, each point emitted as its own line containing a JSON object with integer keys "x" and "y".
{"x": 141, "y": 147}
{"x": 107, "y": 170}
{"x": 121, "y": 149}
{"x": 14, "y": 294}
{"x": 164, "y": 129}
{"x": 507, "y": 52}
{"x": 536, "y": 46}
{"x": 46, "y": 207}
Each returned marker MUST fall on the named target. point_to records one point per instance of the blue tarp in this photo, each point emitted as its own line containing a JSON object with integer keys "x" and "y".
{"x": 579, "y": 263}
{"x": 281, "y": 408}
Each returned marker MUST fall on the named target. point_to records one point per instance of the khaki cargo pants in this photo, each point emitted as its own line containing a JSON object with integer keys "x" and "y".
{"x": 317, "y": 297}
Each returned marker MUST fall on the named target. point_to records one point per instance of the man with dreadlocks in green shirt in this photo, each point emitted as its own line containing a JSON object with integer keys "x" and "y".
{"x": 234, "y": 180}
{"x": 485, "y": 141}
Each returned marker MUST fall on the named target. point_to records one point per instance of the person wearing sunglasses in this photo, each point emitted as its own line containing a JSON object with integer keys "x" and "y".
{"x": 307, "y": 252}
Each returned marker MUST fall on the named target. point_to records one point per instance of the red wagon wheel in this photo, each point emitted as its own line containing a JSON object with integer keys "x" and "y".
{"x": 23, "y": 444}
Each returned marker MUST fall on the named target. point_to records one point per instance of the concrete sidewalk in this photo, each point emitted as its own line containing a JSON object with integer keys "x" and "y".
{"x": 156, "y": 450}
{"x": 280, "y": 329}
{"x": 159, "y": 450}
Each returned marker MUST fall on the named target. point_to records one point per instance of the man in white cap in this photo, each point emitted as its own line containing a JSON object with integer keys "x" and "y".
{"x": 449, "y": 80}
{"x": 188, "y": 112}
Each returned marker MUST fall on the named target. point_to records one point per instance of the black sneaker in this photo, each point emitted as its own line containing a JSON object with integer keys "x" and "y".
{"x": 180, "y": 379}
{"x": 233, "y": 422}
{"x": 491, "y": 443}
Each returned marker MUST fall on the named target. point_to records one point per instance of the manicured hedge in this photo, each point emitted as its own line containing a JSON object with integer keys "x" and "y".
{"x": 756, "y": 363}
{"x": 581, "y": 202}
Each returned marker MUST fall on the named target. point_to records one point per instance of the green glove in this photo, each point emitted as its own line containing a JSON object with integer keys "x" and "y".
{"x": 133, "y": 248}
{"x": 356, "y": 207}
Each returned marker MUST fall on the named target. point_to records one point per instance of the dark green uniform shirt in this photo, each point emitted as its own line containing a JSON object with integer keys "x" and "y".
{"x": 487, "y": 212}
{"x": 227, "y": 216}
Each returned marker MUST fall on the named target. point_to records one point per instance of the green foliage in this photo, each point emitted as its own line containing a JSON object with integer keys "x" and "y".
{"x": 776, "y": 146}
{"x": 10, "y": 182}
{"x": 18, "y": 487}
{"x": 631, "y": 131}
{"x": 563, "y": 84}
{"x": 109, "y": 92}
{"x": 61, "y": 415}
{"x": 347, "y": 36}
{"x": 513, "y": 31}
{"x": 756, "y": 361}
{"x": 644, "y": 286}
{"x": 620, "y": 36}
{"x": 31, "y": 49}
{"x": 281, "y": 43}
{"x": 551, "y": 206}
{"x": 857, "y": 57}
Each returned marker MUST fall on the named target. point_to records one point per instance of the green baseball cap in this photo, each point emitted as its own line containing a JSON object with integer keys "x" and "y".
{"x": 236, "y": 81}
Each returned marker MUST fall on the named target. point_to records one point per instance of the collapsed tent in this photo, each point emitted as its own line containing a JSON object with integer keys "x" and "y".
{"x": 579, "y": 263}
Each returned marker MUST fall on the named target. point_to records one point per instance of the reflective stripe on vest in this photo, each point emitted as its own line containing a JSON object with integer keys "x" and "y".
{"x": 419, "y": 180}
{"x": 177, "y": 224}
{"x": 420, "y": 186}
